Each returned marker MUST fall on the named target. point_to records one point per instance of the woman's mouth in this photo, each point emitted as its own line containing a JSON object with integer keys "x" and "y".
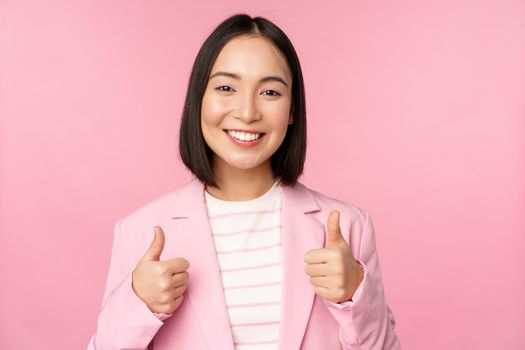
{"x": 245, "y": 138}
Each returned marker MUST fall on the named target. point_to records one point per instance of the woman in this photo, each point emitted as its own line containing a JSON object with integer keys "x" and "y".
{"x": 274, "y": 265}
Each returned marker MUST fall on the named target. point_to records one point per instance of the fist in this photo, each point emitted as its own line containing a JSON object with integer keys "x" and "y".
{"x": 160, "y": 284}
{"x": 333, "y": 271}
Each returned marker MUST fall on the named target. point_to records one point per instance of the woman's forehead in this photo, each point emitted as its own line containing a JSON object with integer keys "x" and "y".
{"x": 251, "y": 55}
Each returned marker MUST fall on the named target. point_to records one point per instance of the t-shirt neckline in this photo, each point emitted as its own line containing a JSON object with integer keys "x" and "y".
{"x": 210, "y": 197}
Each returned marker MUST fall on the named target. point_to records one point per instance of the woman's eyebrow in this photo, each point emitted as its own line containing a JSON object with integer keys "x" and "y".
{"x": 237, "y": 77}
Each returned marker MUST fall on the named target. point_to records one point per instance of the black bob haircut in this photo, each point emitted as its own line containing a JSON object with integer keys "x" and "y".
{"x": 288, "y": 161}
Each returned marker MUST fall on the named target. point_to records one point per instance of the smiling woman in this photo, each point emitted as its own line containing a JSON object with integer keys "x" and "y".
{"x": 229, "y": 64}
{"x": 246, "y": 103}
{"x": 274, "y": 265}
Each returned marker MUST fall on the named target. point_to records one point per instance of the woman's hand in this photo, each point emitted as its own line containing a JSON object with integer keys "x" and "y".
{"x": 160, "y": 284}
{"x": 333, "y": 271}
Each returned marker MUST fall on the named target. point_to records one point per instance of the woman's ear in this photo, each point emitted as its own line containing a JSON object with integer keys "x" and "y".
{"x": 290, "y": 120}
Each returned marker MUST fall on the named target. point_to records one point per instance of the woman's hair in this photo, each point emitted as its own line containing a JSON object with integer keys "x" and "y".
{"x": 288, "y": 161}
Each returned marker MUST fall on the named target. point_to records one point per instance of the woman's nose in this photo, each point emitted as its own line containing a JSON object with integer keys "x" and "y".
{"x": 248, "y": 111}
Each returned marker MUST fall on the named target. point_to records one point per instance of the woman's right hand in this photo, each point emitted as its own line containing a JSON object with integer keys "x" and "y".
{"x": 160, "y": 284}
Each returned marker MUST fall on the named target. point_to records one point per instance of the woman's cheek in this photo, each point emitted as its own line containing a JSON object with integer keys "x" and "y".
{"x": 280, "y": 109}
{"x": 212, "y": 108}
{"x": 220, "y": 104}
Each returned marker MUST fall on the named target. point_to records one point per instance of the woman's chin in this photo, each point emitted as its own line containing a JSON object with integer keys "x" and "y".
{"x": 244, "y": 164}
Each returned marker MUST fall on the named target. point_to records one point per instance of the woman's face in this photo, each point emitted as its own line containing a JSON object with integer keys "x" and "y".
{"x": 246, "y": 106}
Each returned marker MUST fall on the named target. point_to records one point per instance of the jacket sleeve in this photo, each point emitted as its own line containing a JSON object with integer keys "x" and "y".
{"x": 366, "y": 322}
{"x": 124, "y": 322}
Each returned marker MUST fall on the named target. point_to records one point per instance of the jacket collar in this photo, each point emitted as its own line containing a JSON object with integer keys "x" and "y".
{"x": 299, "y": 233}
{"x": 191, "y": 197}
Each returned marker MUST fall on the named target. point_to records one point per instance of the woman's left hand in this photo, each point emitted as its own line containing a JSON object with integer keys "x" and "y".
{"x": 333, "y": 271}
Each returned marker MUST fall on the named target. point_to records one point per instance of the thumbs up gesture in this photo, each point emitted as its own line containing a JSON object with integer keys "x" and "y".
{"x": 160, "y": 284}
{"x": 333, "y": 271}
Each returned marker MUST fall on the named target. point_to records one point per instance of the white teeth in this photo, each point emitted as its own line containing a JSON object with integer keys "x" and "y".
{"x": 244, "y": 136}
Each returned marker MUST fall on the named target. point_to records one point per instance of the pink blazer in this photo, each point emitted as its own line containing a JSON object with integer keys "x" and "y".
{"x": 201, "y": 322}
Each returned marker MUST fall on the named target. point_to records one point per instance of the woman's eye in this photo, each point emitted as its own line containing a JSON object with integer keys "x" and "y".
{"x": 271, "y": 93}
{"x": 224, "y": 88}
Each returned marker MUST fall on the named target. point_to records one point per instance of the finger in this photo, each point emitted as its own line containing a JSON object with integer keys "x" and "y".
{"x": 169, "y": 308}
{"x": 317, "y": 270}
{"x": 180, "y": 290}
{"x": 333, "y": 230}
{"x": 173, "y": 293}
{"x": 322, "y": 292}
{"x": 177, "y": 265}
{"x": 321, "y": 281}
{"x": 180, "y": 278}
{"x": 319, "y": 256}
{"x": 176, "y": 303}
{"x": 155, "y": 249}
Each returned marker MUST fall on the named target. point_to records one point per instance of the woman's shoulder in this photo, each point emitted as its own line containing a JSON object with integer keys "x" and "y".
{"x": 159, "y": 207}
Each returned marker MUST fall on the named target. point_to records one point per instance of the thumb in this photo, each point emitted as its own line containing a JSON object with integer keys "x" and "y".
{"x": 155, "y": 249}
{"x": 333, "y": 230}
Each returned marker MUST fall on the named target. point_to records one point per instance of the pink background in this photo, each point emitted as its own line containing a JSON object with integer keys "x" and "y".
{"x": 416, "y": 113}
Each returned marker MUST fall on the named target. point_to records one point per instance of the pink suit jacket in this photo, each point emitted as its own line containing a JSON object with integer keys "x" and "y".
{"x": 201, "y": 322}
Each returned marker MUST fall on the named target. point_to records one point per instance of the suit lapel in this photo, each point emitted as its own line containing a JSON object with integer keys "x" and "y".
{"x": 205, "y": 292}
{"x": 191, "y": 238}
{"x": 300, "y": 233}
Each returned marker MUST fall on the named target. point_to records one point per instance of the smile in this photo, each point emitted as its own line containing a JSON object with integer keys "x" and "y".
{"x": 244, "y": 136}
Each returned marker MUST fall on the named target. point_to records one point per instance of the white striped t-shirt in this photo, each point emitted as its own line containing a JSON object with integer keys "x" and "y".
{"x": 247, "y": 237}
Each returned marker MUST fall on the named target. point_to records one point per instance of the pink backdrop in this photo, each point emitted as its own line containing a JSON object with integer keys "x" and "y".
{"x": 416, "y": 113}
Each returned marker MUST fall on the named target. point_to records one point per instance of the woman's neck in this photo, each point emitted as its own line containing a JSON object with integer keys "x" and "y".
{"x": 242, "y": 184}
